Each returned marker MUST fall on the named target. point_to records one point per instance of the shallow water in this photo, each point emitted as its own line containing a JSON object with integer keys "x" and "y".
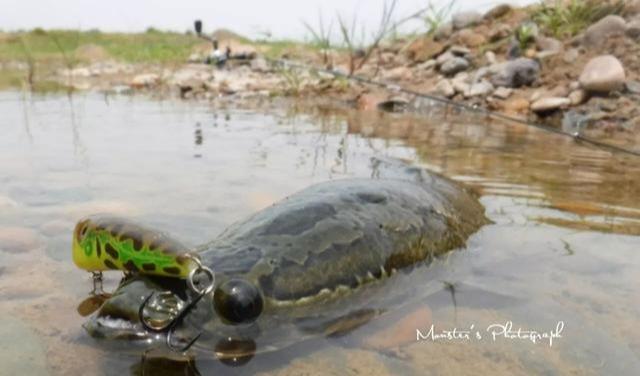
{"x": 563, "y": 246}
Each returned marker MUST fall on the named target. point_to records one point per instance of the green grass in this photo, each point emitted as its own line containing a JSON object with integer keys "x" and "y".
{"x": 566, "y": 19}
{"x": 152, "y": 46}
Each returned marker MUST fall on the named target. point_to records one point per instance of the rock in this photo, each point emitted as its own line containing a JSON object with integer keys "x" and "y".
{"x": 444, "y": 58}
{"x": 490, "y": 57}
{"x": 597, "y": 33}
{"x": 461, "y": 20}
{"x": 470, "y": 38}
{"x": 603, "y": 74}
{"x": 549, "y": 44}
{"x": 516, "y": 73}
{"x": 445, "y": 88}
{"x": 632, "y": 7}
{"x": 633, "y": 29}
{"x": 18, "y": 239}
{"x": 578, "y": 97}
{"x": 482, "y": 88}
{"x": 549, "y": 104}
{"x": 502, "y": 92}
{"x": 260, "y": 65}
{"x": 500, "y": 31}
{"x": 443, "y": 31}
{"x": 144, "y": 80}
{"x": 461, "y": 83}
{"x": 633, "y": 87}
{"x": 571, "y": 56}
{"x": 460, "y": 51}
{"x": 454, "y": 65}
{"x": 516, "y": 106}
{"x": 192, "y": 77}
{"x": 397, "y": 73}
{"x": 498, "y": 11}
{"x": 427, "y": 65}
{"x": 543, "y": 55}
{"x": 424, "y": 49}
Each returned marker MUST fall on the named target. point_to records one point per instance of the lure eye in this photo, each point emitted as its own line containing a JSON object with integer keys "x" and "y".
{"x": 238, "y": 302}
{"x": 82, "y": 231}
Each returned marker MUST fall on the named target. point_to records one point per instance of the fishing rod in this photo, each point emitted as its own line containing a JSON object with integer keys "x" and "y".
{"x": 472, "y": 108}
{"x": 449, "y": 102}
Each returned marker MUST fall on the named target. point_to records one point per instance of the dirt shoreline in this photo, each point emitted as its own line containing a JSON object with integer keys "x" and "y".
{"x": 505, "y": 60}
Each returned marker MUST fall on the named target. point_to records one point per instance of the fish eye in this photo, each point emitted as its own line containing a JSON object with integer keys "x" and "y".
{"x": 238, "y": 302}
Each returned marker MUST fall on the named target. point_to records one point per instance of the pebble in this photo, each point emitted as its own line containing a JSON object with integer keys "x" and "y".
{"x": 633, "y": 87}
{"x": 502, "y": 92}
{"x": 145, "y": 80}
{"x": 424, "y": 49}
{"x": 603, "y": 74}
{"x": 571, "y": 56}
{"x": 454, "y": 65}
{"x": 578, "y": 97}
{"x": 445, "y": 88}
{"x": 633, "y": 29}
{"x": 444, "y": 58}
{"x": 598, "y": 33}
{"x": 471, "y": 38}
{"x": 461, "y": 20}
{"x": 490, "y": 57}
{"x": 549, "y": 104}
{"x": 549, "y": 44}
{"x": 18, "y": 239}
{"x": 500, "y": 31}
{"x": 482, "y": 88}
{"x": 516, "y": 73}
{"x": 516, "y": 105}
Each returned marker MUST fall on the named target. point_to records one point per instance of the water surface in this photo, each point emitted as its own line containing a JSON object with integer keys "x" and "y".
{"x": 563, "y": 246}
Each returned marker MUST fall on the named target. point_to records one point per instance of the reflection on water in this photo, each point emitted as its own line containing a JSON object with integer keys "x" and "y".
{"x": 563, "y": 246}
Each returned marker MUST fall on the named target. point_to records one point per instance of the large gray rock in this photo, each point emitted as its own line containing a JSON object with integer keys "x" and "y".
{"x": 461, "y": 20}
{"x": 516, "y": 73}
{"x": 603, "y": 74}
{"x": 454, "y": 65}
{"x": 597, "y": 33}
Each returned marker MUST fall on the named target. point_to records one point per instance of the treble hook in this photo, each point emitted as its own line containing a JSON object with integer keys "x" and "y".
{"x": 171, "y": 326}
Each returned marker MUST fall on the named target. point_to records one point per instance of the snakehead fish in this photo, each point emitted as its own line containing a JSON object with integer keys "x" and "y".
{"x": 317, "y": 262}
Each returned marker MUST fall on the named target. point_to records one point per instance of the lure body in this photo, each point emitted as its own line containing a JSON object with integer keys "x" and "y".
{"x": 103, "y": 243}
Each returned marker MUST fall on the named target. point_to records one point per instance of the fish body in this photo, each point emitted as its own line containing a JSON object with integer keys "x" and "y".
{"x": 319, "y": 262}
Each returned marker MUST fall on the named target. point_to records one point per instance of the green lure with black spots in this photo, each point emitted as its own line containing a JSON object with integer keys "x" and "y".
{"x": 103, "y": 243}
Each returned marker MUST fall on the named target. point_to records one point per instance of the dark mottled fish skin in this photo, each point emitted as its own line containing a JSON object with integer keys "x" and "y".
{"x": 340, "y": 233}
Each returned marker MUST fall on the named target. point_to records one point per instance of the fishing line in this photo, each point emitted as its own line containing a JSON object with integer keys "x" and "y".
{"x": 476, "y": 109}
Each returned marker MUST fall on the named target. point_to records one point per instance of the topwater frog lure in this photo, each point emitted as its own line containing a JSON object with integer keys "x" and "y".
{"x": 103, "y": 243}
